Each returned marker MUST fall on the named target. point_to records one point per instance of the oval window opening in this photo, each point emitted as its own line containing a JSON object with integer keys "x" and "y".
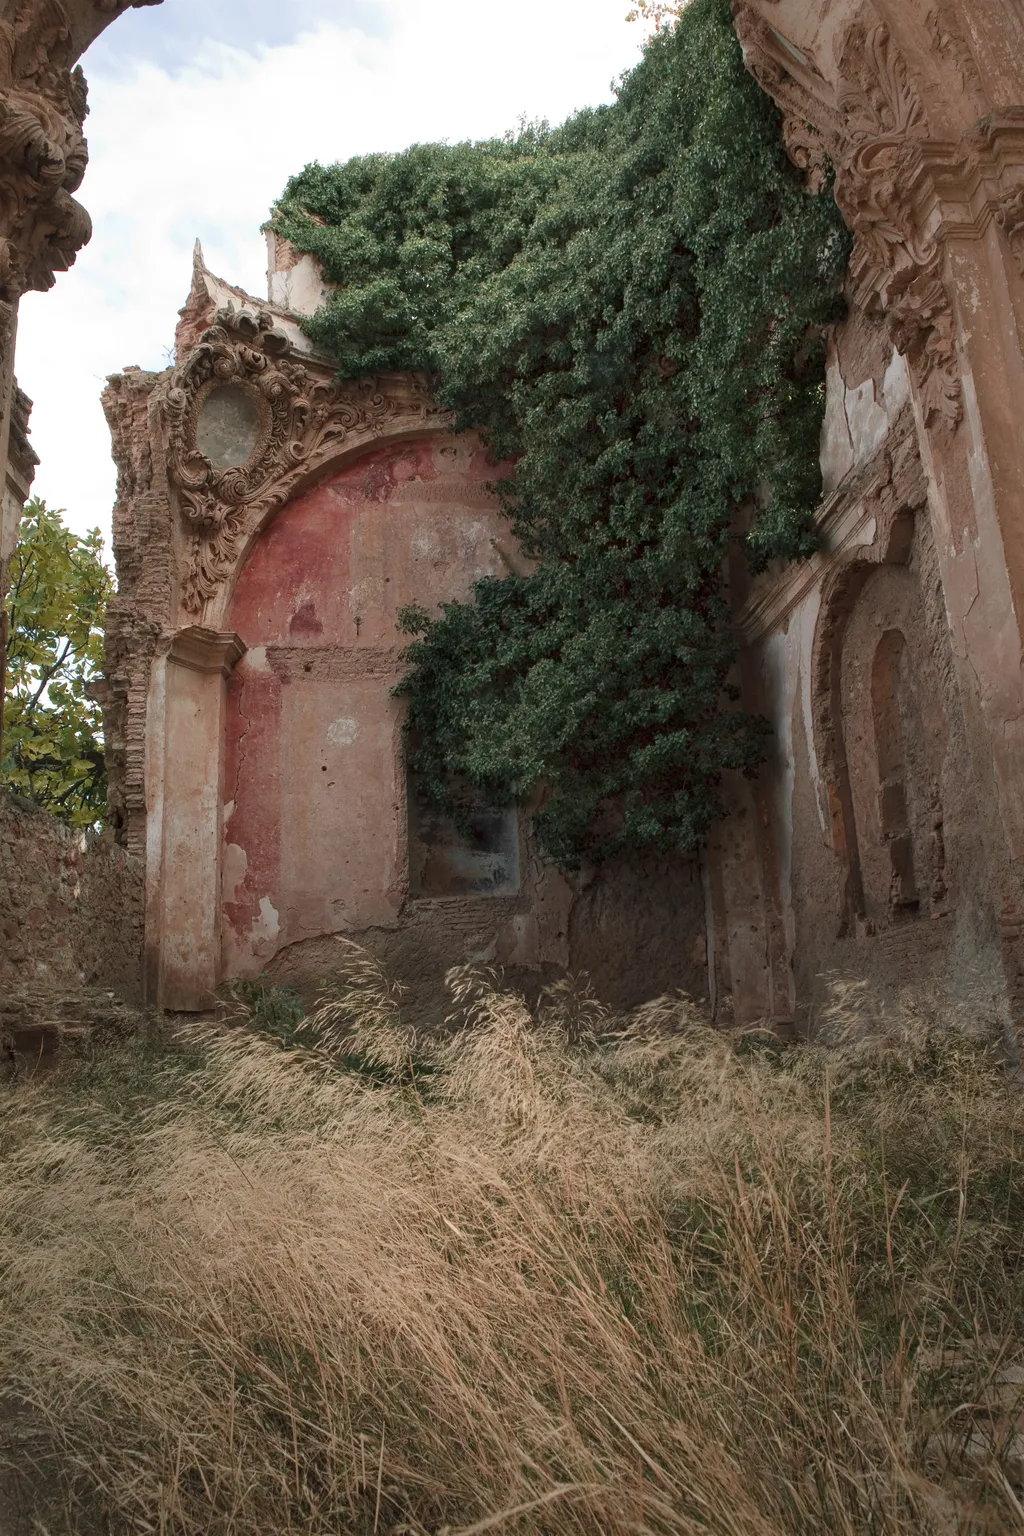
{"x": 229, "y": 427}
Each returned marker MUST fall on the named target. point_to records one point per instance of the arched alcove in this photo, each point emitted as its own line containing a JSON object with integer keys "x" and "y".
{"x": 316, "y": 829}
{"x": 883, "y": 735}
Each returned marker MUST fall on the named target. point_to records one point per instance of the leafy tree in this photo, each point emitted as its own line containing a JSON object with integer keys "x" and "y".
{"x": 631, "y": 309}
{"x": 52, "y": 743}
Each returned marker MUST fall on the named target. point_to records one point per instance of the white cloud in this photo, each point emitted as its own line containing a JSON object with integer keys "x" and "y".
{"x": 204, "y": 153}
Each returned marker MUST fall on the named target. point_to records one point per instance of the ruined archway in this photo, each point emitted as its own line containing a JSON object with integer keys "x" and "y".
{"x": 43, "y": 157}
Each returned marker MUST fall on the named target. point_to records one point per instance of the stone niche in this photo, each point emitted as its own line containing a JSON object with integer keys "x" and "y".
{"x": 896, "y": 737}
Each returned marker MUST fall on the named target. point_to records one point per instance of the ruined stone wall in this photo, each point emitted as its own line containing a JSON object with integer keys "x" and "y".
{"x": 885, "y": 838}
{"x": 70, "y": 904}
{"x": 870, "y": 846}
{"x": 272, "y": 523}
{"x": 322, "y": 832}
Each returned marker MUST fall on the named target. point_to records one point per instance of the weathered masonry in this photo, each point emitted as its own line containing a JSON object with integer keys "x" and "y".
{"x": 887, "y": 839}
{"x": 271, "y": 525}
{"x": 272, "y": 522}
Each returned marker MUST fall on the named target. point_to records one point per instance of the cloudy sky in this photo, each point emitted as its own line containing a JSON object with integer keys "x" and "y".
{"x": 201, "y": 109}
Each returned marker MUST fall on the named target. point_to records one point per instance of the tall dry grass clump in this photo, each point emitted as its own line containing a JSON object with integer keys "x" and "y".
{"x": 548, "y": 1272}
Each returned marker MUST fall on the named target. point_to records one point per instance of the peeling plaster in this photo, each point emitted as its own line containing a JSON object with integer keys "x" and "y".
{"x": 267, "y": 926}
{"x": 867, "y": 420}
{"x": 235, "y": 866}
{"x": 896, "y": 385}
{"x": 836, "y": 444}
{"x": 343, "y": 732}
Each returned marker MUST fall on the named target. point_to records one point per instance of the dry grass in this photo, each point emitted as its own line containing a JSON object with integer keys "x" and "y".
{"x": 534, "y": 1276}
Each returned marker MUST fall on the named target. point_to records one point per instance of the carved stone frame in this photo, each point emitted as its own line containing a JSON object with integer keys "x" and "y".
{"x": 903, "y": 192}
{"x": 308, "y": 419}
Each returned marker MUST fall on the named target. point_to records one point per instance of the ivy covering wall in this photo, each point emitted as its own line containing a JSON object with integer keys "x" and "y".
{"x": 630, "y": 309}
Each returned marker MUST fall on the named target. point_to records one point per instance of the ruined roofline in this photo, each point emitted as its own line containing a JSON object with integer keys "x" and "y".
{"x": 210, "y": 294}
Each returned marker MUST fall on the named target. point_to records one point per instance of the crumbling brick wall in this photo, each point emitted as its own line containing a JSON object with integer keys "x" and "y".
{"x": 70, "y": 904}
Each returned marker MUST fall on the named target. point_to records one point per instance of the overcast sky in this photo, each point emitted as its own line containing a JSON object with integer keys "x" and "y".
{"x": 201, "y": 109}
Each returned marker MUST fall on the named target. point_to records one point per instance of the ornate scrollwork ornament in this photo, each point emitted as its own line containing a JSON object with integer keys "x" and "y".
{"x": 896, "y": 268}
{"x": 870, "y": 125}
{"x": 1010, "y": 217}
{"x": 806, "y": 148}
{"x": 287, "y": 420}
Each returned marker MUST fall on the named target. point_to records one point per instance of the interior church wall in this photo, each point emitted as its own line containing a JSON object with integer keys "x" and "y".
{"x": 272, "y": 523}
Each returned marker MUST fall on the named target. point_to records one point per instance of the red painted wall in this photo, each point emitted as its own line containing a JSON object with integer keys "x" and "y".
{"x": 315, "y": 834}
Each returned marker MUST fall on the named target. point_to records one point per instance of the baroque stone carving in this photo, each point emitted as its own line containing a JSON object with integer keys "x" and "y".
{"x": 804, "y": 97}
{"x": 870, "y": 126}
{"x": 305, "y": 417}
{"x": 876, "y": 97}
{"x": 1011, "y": 219}
{"x": 42, "y": 161}
{"x": 897, "y": 270}
{"x": 806, "y": 148}
{"x": 43, "y": 152}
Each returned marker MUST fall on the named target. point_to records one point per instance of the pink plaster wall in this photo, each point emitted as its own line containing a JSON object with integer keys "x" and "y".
{"x": 315, "y": 821}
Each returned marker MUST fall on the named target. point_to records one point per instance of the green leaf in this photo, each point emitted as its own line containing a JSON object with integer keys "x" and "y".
{"x": 629, "y": 309}
{"x": 56, "y": 602}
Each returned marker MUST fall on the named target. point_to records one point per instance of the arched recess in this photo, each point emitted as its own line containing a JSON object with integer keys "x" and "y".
{"x": 309, "y": 511}
{"x": 881, "y": 737}
{"x": 315, "y": 828}
{"x": 361, "y": 447}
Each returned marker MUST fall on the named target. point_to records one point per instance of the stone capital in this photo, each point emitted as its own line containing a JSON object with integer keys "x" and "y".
{"x": 207, "y": 650}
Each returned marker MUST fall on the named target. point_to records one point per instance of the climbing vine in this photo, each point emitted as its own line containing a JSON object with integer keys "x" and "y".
{"x": 630, "y": 309}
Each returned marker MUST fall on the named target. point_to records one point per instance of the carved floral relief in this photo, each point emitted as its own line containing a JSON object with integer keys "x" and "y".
{"x": 298, "y": 419}
{"x": 872, "y": 126}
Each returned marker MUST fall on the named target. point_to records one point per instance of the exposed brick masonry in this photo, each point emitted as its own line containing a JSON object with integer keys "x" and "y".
{"x": 70, "y": 904}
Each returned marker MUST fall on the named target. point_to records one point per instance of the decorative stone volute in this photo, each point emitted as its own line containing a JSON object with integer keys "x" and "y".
{"x": 248, "y": 421}
{"x": 902, "y": 189}
{"x": 43, "y": 152}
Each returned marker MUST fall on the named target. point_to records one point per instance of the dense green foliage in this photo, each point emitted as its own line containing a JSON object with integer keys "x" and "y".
{"x": 52, "y": 746}
{"x": 630, "y": 308}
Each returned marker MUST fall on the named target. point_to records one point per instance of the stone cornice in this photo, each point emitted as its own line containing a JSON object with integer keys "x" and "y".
{"x": 841, "y": 521}
{"x": 207, "y": 650}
